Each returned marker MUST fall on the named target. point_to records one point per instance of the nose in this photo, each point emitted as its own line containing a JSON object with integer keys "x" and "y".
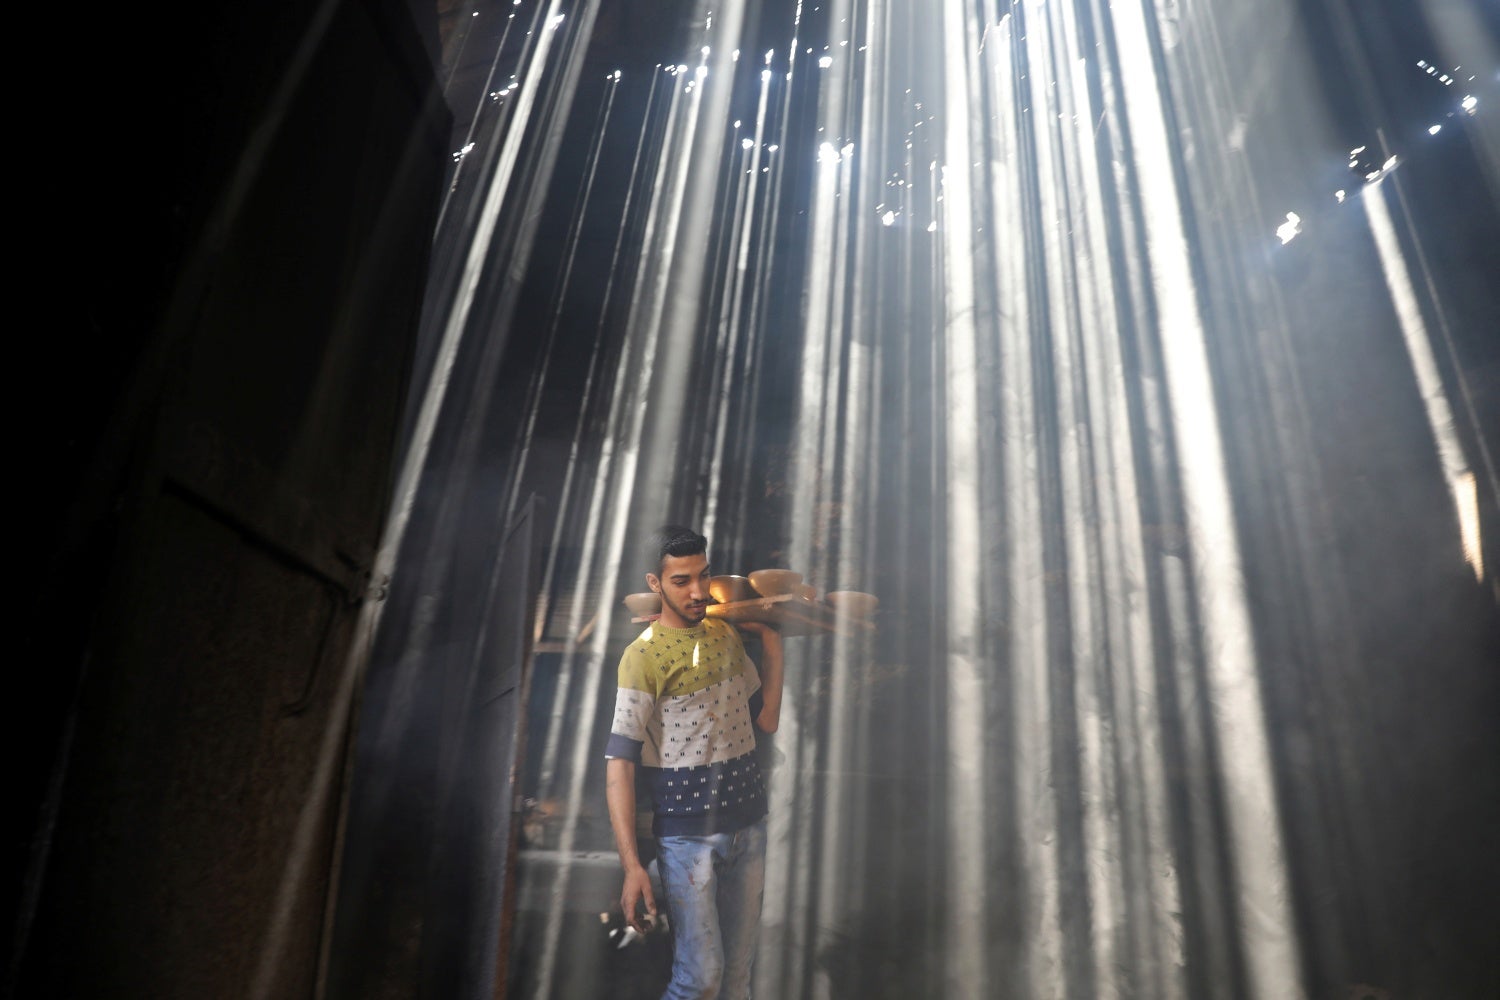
{"x": 698, "y": 591}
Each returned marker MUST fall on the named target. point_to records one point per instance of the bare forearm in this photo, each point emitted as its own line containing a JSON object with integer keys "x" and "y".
{"x": 770, "y": 682}
{"x": 635, "y": 888}
{"x": 619, "y": 792}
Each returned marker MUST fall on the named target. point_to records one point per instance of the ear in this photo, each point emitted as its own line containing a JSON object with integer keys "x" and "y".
{"x": 654, "y": 582}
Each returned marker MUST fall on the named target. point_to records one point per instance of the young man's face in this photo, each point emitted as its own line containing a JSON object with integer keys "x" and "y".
{"x": 683, "y": 586}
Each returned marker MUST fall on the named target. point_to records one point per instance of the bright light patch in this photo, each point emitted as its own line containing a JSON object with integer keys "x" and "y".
{"x": 1339, "y": 194}
{"x": 1469, "y": 103}
{"x": 1434, "y": 129}
{"x": 888, "y": 219}
{"x": 827, "y": 153}
{"x": 747, "y": 143}
{"x": 825, "y": 61}
{"x": 1466, "y": 500}
{"x": 1290, "y": 228}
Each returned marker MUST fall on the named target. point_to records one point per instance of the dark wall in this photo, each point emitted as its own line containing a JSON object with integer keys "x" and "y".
{"x": 229, "y": 217}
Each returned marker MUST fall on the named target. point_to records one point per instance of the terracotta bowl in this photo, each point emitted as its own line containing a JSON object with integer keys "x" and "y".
{"x": 775, "y": 582}
{"x": 853, "y": 602}
{"x": 643, "y": 605}
{"x": 728, "y": 589}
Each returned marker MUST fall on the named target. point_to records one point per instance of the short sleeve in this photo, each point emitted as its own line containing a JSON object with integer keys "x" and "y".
{"x": 635, "y": 700}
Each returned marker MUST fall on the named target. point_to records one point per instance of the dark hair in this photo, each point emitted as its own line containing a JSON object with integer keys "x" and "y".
{"x": 674, "y": 540}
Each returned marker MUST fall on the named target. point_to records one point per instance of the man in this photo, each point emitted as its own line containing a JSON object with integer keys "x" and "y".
{"x": 688, "y": 704}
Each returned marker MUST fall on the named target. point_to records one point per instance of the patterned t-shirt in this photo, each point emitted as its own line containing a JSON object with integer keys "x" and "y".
{"x": 683, "y": 713}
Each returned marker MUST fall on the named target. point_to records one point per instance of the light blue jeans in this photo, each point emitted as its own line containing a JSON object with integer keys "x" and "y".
{"x": 713, "y": 886}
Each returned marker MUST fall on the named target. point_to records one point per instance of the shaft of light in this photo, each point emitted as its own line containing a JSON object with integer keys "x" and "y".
{"x": 1260, "y": 878}
{"x": 1456, "y": 471}
{"x": 968, "y": 971}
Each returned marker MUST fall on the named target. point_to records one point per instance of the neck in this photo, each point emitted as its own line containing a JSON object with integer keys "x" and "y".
{"x": 671, "y": 619}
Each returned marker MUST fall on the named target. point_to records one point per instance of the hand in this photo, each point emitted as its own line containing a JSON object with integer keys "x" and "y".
{"x": 637, "y": 889}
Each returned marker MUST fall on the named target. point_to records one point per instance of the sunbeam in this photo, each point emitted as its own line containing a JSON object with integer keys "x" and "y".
{"x": 976, "y": 306}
